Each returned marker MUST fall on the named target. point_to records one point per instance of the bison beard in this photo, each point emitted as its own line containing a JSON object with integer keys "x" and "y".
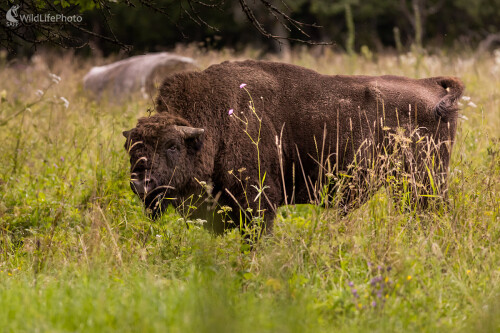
{"x": 348, "y": 123}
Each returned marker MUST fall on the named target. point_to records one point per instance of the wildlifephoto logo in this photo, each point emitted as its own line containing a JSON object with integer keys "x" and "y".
{"x": 11, "y": 15}
{"x": 15, "y": 17}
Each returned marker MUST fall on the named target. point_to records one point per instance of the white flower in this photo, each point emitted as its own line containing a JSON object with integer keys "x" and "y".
{"x": 65, "y": 102}
{"x": 472, "y": 105}
{"x": 56, "y": 79}
{"x": 496, "y": 54}
{"x": 39, "y": 93}
{"x": 466, "y": 98}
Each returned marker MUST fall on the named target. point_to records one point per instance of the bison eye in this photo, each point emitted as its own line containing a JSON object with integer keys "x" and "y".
{"x": 172, "y": 148}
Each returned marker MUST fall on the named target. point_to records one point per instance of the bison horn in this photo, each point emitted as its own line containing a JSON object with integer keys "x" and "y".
{"x": 190, "y": 132}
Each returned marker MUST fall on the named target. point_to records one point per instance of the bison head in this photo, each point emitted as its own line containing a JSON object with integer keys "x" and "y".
{"x": 164, "y": 153}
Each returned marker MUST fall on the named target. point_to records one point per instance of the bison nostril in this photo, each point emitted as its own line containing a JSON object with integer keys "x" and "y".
{"x": 149, "y": 185}
{"x": 142, "y": 186}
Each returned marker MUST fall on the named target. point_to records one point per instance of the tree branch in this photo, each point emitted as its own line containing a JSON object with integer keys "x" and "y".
{"x": 278, "y": 13}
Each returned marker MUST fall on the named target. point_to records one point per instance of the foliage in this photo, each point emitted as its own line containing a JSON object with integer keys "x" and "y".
{"x": 149, "y": 26}
{"x": 78, "y": 254}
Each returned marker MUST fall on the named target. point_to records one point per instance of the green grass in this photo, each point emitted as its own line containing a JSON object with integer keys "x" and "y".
{"x": 78, "y": 254}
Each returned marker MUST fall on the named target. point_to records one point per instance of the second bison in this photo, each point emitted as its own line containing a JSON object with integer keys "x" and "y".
{"x": 254, "y": 135}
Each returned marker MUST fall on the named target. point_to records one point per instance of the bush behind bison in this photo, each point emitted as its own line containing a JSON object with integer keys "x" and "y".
{"x": 295, "y": 136}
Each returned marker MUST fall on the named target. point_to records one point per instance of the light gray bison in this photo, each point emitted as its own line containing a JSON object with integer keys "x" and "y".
{"x": 143, "y": 74}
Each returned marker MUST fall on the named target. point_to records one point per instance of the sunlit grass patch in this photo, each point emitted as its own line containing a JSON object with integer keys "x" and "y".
{"x": 77, "y": 252}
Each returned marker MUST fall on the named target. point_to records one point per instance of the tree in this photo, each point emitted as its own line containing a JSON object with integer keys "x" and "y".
{"x": 75, "y": 33}
{"x": 421, "y": 10}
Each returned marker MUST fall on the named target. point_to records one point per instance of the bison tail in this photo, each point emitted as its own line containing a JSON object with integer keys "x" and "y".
{"x": 447, "y": 108}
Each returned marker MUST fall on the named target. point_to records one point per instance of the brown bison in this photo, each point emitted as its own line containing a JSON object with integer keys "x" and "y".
{"x": 256, "y": 134}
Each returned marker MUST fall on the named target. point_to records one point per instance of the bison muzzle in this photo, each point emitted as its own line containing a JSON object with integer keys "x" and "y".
{"x": 291, "y": 132}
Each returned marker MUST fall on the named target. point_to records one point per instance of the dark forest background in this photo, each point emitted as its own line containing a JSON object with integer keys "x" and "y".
{"x": 350, "y": 25}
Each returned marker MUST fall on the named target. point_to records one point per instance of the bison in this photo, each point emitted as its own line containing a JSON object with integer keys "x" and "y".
{"x": 254, "y": 135}
{"x": 141, "y": 73}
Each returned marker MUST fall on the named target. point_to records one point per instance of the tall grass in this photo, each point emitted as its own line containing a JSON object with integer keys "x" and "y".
{"x": 78, "y": 254}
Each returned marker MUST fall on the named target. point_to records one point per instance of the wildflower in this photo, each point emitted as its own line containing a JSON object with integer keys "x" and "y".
{"x": 360, "y": 305}
{"x": 472, "y": 105}
{"x": 374, "y": 304}
{"x": 468, "y": 271}
{"x": 242, "y": 85}
{"x": 65, "y": 102}
{"x": 230, "y": 112}
{"x": 56, "y": 79}
{"x": 351, "y": 284}
{"x": 466, "y": 98}
{"x": 158, "y": 236}
{"x": 39, "y": 93}
{"x": 408, "y": 277}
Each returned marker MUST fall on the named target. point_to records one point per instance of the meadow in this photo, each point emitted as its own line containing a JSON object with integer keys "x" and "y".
{"x": 77, "y": 252}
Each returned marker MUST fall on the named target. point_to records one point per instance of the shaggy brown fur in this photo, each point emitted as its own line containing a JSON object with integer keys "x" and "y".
{"x": 353, "y": 111}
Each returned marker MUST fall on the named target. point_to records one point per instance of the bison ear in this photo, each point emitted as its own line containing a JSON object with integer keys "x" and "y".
{"x": 126, "y": 134}
{"x": 190, "y": 132}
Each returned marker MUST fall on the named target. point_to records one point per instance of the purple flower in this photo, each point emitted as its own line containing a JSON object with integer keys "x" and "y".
{"x": 351, "y": 284}
{"x": 374, "y": 304}
{"x": 242, "y": 85}
{"x": 230, "y": 112}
